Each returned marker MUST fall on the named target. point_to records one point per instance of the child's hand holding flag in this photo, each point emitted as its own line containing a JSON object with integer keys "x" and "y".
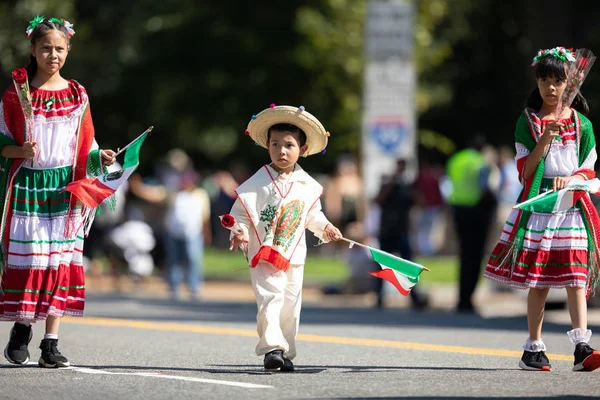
{"x": 333, "y": 233}
{"x": 93, "y": 191}
{"x": 563, "y": 199}
{"x": 108, "y": 157}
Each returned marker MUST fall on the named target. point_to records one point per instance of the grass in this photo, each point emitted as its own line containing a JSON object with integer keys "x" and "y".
{"x": 222, "y": 264}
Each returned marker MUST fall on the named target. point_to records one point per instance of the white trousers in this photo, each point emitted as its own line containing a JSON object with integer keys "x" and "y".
{"x": 279, "y": 299}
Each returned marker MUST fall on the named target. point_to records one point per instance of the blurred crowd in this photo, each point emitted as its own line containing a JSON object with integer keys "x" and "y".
{"x": 163, "y": 222}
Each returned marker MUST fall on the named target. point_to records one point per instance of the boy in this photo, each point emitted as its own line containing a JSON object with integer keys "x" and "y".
{"x": 273, "y": 209}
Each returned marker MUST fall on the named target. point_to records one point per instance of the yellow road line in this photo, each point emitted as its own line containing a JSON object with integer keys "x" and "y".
{"x": 213, "y": 330}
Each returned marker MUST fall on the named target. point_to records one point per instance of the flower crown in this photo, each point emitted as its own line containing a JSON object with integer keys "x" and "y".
{"x": 40, "y": 18}
{"x": 560, "y": 52}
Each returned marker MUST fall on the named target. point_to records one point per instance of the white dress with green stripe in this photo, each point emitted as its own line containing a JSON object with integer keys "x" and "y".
{"x": 557, "y": 250}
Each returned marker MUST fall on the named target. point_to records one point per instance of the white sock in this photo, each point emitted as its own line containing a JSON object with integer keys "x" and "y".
{"x": 534, "y": 345}
{"x": 51, "y": 336}
{"x": 579, "y": 335}
{"x": 26, "y": 323}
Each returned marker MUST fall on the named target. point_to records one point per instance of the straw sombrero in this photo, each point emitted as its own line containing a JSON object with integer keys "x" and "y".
{"x": 316, "y": 135}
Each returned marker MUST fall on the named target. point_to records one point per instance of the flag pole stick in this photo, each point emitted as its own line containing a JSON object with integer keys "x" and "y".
{"x": 533, "y": 198}
{"x": 119, "y": 150}
{"x": 369, "y": 247}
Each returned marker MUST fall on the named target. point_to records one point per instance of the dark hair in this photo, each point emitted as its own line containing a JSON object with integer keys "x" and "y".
{"x": 553, "y": 67}
{"x": 41, "y": 30}
{"x": 293, "y": 129}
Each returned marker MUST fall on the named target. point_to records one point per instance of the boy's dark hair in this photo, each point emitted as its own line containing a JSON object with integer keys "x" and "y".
{"x": 293, "y": 129}
{"x": 553, "y": 67}
{"x": 40, "y": 31}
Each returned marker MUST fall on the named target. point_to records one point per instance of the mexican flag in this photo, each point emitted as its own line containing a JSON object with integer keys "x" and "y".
{"x": 561, "y": 200}
{"x": 401, "y": 273}
{"x": 92, "y": 191}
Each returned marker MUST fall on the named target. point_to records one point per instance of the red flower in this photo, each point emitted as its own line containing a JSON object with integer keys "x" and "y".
{"x": 228, "y": 221}
{"x": 19, "y": 75}
{"x": 582, "y": 63}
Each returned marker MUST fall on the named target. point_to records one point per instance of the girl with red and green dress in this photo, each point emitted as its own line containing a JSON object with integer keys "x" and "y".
{"x": 46, "y": 141}
{"x": 539, "y": 251}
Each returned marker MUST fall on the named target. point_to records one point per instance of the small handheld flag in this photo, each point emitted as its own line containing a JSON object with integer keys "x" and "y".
{"x": 561, "y": 200}
{"x": 92, "y": 191}
{"x": 401, "y": 273}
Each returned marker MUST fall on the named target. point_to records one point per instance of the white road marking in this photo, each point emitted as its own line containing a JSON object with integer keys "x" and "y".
{"x": 159, "y": 375}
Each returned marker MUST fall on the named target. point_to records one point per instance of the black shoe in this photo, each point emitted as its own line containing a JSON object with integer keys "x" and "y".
{"x": 288, "y": 366}
{"x": 535, "y": 361}
{"x": 420, "y": 303}
{"x": 16, "y": 350}
{"x": 586, "y": 358}
{"x": 465, "y": 308}
{"x": 51, "y": 357}
{"x": 273, "y": 359}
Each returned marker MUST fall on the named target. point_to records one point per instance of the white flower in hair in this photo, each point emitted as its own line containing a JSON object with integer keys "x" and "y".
{"x": 69, "y": 27}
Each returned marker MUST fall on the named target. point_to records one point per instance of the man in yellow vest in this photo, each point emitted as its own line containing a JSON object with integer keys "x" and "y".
{"x": 473, "y": 207}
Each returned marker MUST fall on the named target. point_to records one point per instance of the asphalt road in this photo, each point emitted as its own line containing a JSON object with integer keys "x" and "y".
{"x": 139, "y": 347}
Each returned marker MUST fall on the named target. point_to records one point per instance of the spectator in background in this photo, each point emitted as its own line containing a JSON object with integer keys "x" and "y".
{"x": 186, "y": 228}
{"x": 169, "y": 171}
{"x": 360, "y": 262}
{"x": 430, "y": 199}
{"x": 395, "y": 199}
{"x": 128, "y": 247}
{"x": 221, "y": 204}
{"x": 103, "y": 223}
{"x": 508, "y": 192}
{"x": 510, "y": 186}
{"x": 473, "y": 207}
{"x": 343, "y": 196}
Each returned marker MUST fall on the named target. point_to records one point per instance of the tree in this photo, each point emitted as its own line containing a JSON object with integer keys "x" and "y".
{"x": 199, "y": 71}
{"x": 14, "y": 17}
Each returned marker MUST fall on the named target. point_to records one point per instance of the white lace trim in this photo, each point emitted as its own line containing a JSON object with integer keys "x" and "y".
{"x": 579, "y": 335}
{"x": 534, "y": 345}
{"x": 521, "y": 150}
{"x": 3, "y": 128}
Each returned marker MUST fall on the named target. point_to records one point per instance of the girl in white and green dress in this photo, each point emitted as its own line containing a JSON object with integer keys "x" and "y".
{"x": 539, "y": 251}
{"x": 44, "y": 144}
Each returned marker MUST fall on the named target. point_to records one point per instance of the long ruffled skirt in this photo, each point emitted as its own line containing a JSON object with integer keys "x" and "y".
{"x": 44, "y": 274}
{"x": 554, "y": 253}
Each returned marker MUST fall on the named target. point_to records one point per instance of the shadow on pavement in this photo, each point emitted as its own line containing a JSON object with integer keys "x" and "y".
{"x": 152, "y": 309}
{"x": 256, "y": 369}
{"x": 249, "y": 369}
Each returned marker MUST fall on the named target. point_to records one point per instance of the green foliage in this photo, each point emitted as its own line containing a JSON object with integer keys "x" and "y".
{"x": 197, "y": 71}
{"x": 14, "y": 19}
{"x": 223, "y": 264}
{"x": 331, "y": 50}
{"x": 439, "y": 26}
